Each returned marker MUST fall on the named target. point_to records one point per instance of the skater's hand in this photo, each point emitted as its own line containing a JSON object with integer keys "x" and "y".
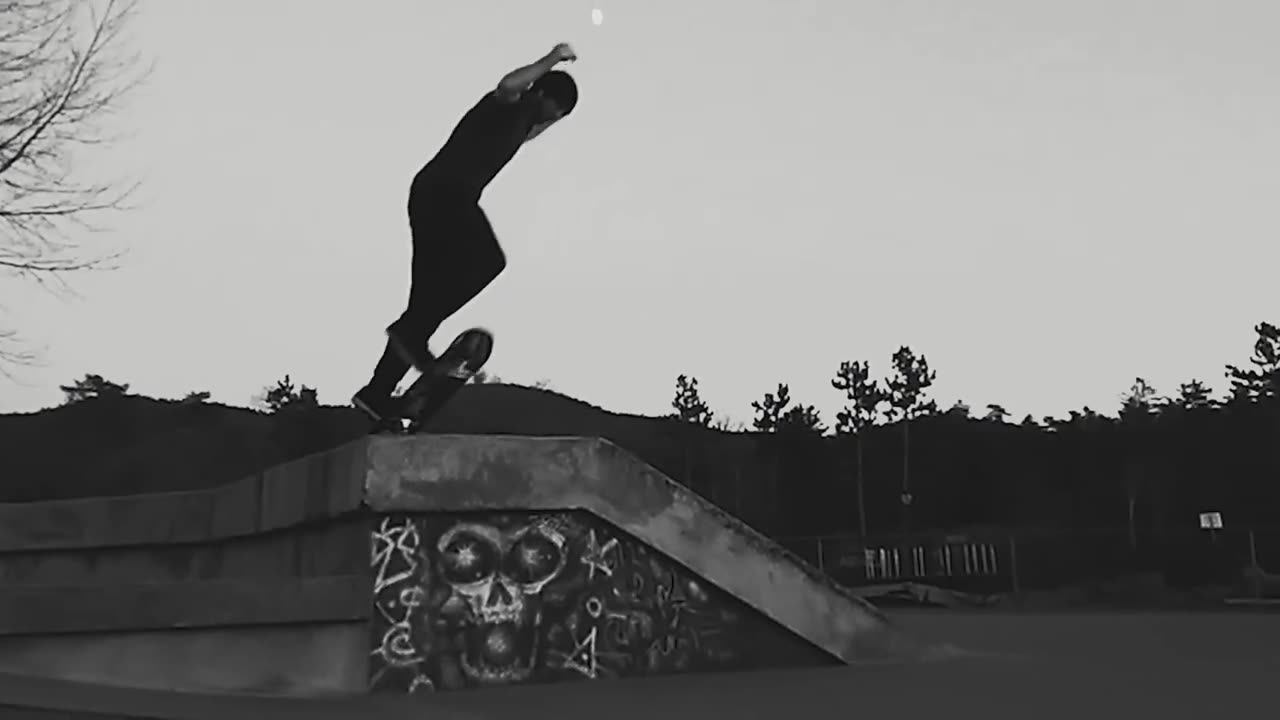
{"x": 563, "y": 53}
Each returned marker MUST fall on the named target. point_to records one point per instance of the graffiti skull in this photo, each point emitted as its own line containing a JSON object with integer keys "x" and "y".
{"x": 497, "y": 576}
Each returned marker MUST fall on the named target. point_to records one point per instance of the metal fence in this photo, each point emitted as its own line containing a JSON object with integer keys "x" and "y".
{"x": 1012, "y": 562}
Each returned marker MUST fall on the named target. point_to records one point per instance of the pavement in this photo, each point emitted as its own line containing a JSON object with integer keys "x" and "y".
{"x": 997, "y": 687}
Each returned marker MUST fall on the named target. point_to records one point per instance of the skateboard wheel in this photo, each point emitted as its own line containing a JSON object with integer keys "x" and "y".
{"x": 475, "y": 345}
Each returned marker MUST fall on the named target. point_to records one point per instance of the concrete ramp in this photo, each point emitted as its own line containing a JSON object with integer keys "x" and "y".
{"x": 413, "y": 564}
{"x": 609, "y": 513}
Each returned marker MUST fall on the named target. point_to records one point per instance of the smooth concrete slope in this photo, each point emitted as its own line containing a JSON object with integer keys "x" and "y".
{"x": 459, "y": 473}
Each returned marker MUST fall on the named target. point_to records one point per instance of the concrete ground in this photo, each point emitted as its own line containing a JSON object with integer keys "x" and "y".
{"x": 1047, "y": 666}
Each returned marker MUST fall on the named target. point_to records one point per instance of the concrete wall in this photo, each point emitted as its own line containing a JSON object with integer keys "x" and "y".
{"x": 262, "y": 585}
{"x": 127, "y": 562}
{"x": 266, "y": 584}
{"x": 483, "y": 599}
{"x": 494, "y": 473}
{"x": 297, "y": 660}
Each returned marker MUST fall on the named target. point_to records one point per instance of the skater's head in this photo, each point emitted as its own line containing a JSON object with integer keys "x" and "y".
{"x": 558, "y": 90}
{"x": 556, "y": 94}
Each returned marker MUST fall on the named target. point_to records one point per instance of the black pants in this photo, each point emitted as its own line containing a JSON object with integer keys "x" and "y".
{"x": 455, "y": 256}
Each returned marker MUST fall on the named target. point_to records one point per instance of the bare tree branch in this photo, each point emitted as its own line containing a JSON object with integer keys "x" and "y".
{"x": 62, "y": 72}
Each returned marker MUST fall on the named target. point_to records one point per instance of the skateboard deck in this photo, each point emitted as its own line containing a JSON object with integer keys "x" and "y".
{"x": 430, "y": 393}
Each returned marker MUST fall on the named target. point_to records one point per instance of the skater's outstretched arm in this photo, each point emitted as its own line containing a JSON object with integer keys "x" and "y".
{"x": 514, "y": 83}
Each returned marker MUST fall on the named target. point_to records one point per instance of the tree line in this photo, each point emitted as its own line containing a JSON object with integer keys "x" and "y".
{"x": 1150, "y": 467}
{"x": 894, "y": 461}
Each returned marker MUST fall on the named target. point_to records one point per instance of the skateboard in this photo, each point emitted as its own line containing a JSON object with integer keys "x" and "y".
{"x": 437, "y": 386}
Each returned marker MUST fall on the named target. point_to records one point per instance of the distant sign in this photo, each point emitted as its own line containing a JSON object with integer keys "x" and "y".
{"x": 1211, "y": 521}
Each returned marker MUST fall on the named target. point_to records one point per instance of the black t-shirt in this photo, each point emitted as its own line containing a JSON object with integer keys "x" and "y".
{"x": 484, "y": 141}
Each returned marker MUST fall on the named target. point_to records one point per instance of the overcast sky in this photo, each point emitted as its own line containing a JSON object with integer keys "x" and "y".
{"x": 1047, "y": 199}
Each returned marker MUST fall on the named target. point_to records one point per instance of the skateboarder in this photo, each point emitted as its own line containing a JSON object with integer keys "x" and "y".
{"x": 455, "y": 253}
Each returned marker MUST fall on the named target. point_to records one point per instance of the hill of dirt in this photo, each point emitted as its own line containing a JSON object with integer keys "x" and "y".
{"x": 131, "y": 444}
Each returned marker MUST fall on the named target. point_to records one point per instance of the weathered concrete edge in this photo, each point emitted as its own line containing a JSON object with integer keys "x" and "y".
{"x": 594, "y": 475}
{"x": 38, "y": 610}
{"x": 316, "y": 487}
{"x": 850, "y": 628}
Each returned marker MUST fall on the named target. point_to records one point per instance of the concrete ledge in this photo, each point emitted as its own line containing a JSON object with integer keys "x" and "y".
{"x": 459, "y": 473}
{"x": 312, "y": 488}
{"x": 36, "y": 610}
{"x": 334, "y": 547}
{"x": 184, "y": 574}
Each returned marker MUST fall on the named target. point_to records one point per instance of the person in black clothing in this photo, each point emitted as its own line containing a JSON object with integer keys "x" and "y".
{"x": 455, "y": 253}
